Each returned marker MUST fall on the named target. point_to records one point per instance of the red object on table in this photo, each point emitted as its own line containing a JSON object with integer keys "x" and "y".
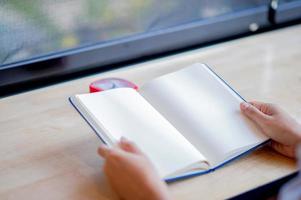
{"x": 110, "y": 83}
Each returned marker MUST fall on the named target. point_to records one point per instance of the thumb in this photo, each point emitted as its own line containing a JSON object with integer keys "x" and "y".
{"x": 253, "y": 113}
{"x": 129, "y": 146}
{"x": 103, "y": 151}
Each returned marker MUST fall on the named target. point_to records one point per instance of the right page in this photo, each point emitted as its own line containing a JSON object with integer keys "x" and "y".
{"x": 205, "y": 111}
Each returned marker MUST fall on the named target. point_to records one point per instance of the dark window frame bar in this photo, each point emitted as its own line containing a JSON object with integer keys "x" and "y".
{"x": 288, "y": 11}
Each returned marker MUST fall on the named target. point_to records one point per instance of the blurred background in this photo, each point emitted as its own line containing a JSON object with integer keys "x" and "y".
{"x": 34, "y": 27}
{"x": 48, "y": 41}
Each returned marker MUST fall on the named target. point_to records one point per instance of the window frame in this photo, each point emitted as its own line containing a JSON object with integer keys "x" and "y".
{"x": 288, "y": 11}
{"x": 65, "y": 65}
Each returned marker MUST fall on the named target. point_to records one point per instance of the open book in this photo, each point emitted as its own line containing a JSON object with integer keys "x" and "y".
{"x": 187, "y": 122}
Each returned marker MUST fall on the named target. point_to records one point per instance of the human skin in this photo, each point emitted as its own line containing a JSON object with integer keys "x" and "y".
{"x": 131, "y": 174}
{"x": 133, "y": 177}
{"x": 277, "y": 124}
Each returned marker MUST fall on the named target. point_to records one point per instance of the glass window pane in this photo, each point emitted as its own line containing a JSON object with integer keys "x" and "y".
{"x": 38, "y": 27}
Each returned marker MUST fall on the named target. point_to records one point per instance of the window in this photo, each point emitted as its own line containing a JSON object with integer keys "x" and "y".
{"x": 37, "y": 27}
{"x": 41, "y": 39}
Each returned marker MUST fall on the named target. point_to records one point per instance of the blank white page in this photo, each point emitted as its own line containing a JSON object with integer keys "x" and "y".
{"x": 203, "y": 109}
{"x": 124, "y": 112}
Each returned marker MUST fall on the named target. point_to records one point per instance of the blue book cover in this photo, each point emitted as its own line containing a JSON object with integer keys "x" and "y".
{"x": 103, "y": 138}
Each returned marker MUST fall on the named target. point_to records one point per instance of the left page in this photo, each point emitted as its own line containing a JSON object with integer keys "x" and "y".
{"x": 124, "y": 112}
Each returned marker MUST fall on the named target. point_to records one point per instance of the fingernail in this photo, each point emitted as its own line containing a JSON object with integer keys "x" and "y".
{"x": 123, "y": 139}
{"x": 103, "y": 150}
{"x": 244, "y": 105}
{"x": 103, "y": 147}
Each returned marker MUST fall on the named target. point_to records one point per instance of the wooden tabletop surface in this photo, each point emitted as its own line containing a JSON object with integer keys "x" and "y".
{"x": 49, "y": 152}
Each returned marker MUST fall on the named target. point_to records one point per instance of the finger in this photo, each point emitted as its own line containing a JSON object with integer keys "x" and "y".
{"x": 266, "y": 108}
{"x": 263, "y": 107}
{"x": 253, "y": 113}
{"x": 103, "y": 151}
{"x": 129, "y": 146}
{"x": 283, "y": 149}
{"x": 257, "y": 104}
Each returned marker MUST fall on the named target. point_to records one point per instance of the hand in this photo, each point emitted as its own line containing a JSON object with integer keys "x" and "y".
{"x": 284, "y": 130}
{"x": 130, "y": 174}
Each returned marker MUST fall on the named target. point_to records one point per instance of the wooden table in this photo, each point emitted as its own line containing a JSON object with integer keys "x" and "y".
{"x": 49, "y": 152}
